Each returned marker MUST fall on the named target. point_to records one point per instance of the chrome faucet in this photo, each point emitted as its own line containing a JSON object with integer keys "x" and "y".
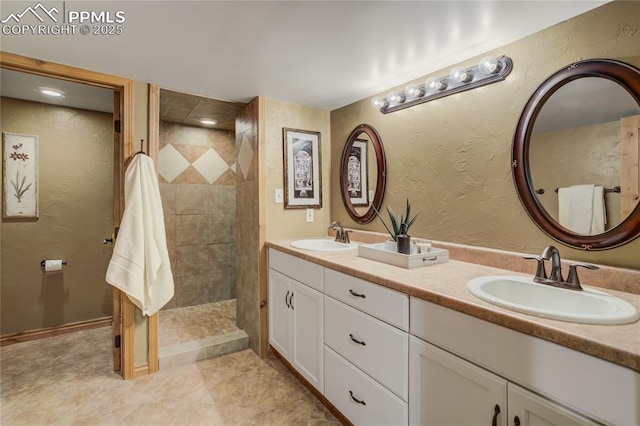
{"x": 555, "y": 277}
{"x": 342, "y": 236}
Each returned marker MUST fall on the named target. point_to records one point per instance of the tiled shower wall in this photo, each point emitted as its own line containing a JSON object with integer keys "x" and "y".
{"x": 198, "y": 190}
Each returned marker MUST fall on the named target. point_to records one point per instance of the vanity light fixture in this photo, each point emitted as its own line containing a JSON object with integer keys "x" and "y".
{"x": 396, "y": 98}
{"x": 434, "y": 84}
{"x": 489, "y": 70}
{"x": 208, "y": 121}
{"x": 379, "y": 102}
{"x": 55, "y": 93}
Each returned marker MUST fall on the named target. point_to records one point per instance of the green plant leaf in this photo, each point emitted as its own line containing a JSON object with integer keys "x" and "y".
{"x": 383, "y": 222}
{"x": 394, "y": 223}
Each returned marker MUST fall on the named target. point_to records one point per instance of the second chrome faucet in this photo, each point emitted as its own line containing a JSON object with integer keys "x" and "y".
{"x": 342, "y": 236}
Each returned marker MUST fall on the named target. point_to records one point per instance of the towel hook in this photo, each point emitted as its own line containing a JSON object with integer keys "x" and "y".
{"x": 141, "y": 148}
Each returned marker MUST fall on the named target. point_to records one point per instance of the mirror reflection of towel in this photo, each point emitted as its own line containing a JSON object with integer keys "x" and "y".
{"x": 581, "y": 209}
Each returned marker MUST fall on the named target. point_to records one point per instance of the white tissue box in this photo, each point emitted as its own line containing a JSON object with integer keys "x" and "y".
{"x": 387, "y": 253}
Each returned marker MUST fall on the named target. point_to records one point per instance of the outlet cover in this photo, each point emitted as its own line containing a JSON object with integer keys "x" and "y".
{"x": 309, "y": 215}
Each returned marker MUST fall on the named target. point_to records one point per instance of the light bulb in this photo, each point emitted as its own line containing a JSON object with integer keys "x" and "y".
{"x": 460, "y": 74}
{"x": 208, "y": 121}
{"x": 434, "y": 84}
{"x": 414, "y": 91}
{"x": 396, "y": 98}
{"x": 489, "y": 65}
{"x": 379, "y": 102}
{"x": 51, "y": 92}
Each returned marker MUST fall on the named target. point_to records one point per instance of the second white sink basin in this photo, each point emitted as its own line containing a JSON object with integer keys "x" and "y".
{"x": 521, "y": 294}
{"x": 322, "y": 244}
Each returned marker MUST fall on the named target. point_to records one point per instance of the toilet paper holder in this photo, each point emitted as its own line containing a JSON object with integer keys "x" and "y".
{"x": 64, "y": 262}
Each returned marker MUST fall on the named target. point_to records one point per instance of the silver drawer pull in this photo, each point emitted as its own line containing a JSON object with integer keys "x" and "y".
{"x": 356, "y": 399}
{"x": 429, "y": 259}
{"x": 353, "y": 293}
{"x": 360, "y": 342}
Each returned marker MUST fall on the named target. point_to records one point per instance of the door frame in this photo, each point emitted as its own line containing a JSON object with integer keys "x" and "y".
{"x": 123, "y": 309}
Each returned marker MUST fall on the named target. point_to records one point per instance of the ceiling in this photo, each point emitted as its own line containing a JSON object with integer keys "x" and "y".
{"x": 322, "y": 54}
{"x": 188, "y": 109}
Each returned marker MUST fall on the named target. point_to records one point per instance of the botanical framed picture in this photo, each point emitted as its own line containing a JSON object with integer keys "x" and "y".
{"x": 302, "y": 169}
{"x": 20, "y": 167}
{"x": 357, "y": 174}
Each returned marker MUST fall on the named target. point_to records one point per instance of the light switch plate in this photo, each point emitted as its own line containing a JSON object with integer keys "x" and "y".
{"x": 278, "y": 195}
{"x": 309, "y": 215}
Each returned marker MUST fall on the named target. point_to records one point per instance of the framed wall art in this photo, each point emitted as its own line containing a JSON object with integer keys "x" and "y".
{"x": 20, "y": 168}
{"x": 302, "y": 173}
{"x": 358, "y": 175}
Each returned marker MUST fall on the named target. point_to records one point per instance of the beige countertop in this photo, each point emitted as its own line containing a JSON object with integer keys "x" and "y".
{"x": 445, "y": 283}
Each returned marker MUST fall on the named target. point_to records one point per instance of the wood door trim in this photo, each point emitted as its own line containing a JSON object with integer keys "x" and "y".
{"x": 153, "y": 149}
{"x": 125, "y": 88}
{"x": 43, "y": 333}
{"x": 630, "y": 168}
{"x": 263, "y": 343}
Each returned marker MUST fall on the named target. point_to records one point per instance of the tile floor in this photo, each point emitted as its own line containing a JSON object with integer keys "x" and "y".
{"x": 67, "y": 380}
{"x": 194, "y": 333}
{"x": 179, "y": 325}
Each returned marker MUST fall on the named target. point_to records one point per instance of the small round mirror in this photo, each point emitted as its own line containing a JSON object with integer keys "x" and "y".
{"x": 363, "y": 173}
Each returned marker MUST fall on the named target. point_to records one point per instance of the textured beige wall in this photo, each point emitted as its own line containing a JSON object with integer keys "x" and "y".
{"x": 291, "y": 223}
{"x": 452, "y": 156}
{"x": 76, "y": 205}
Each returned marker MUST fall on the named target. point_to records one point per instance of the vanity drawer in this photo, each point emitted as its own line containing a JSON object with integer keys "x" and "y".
{"x": 383, "y": 303}
{"x": 300, "y": 270}
{"x": 382, "y": 352}
{"x": 344, "y": 384}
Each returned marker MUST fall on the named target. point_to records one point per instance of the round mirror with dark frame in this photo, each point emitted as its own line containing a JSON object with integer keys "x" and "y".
{"x": 363, "y": 176}
{"x": 575, "y": 155}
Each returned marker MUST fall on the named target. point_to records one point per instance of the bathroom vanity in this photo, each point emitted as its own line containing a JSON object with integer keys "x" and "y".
{"x": 386, "y": 345}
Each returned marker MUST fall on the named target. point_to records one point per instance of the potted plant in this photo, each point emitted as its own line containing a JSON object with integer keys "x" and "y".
{"x": 400, "y": 226}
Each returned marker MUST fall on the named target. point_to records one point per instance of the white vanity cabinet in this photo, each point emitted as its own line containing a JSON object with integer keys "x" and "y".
{"x": 381, "y": 357}
{"x": 447, "y": 390}
{"x": 366, "y": 350}
{"x": 296, "y": 314}
{"x": 462, "y": 367}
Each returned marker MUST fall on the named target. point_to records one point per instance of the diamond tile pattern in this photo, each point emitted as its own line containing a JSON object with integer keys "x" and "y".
{"x": 191, "y": 155}
{"x": 210, "y": 165}
{"x": 171, "y": 163}
{"x": 245, "y": 156}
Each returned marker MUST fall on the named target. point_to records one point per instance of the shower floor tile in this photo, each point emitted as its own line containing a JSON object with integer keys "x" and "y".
{"x": 180, "y": 325}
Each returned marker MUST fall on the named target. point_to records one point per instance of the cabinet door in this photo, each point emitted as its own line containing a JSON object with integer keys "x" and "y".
{"x": 529, "y": 409}
{"x": 307, "y": 313}
{"x": 446, "y": 390}
{"x": 279, "y": 313}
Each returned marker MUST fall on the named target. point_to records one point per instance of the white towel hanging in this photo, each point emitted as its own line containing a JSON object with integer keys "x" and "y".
{"x": 575, "y": 208}
{"x": 581, "y": 209}
{"x": 599, "y": 217}
{"x": 140, "y": 264}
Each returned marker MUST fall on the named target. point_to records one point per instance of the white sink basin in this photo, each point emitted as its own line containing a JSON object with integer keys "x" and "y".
{"x": 322, "y": 244}
{"x": 521, "y": 294}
